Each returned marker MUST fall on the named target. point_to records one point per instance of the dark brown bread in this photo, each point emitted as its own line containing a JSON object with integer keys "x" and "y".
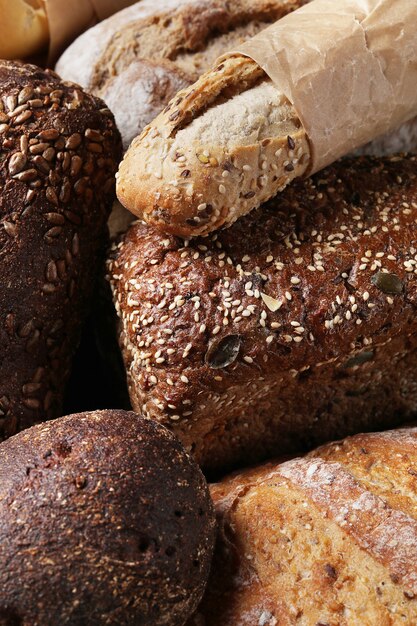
{"x": 104, "y": 520}
{"x": 59, "y": 149}
{"x": 295, "y": 326}
{"x": 326, "y": 540}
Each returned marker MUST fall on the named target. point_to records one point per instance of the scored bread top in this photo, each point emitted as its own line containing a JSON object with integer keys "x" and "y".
{"x": 330, "y": 538}
{"x": 323, "y": 274}
{"x": 219, "y": 149}
{"x": 153, "y": 49}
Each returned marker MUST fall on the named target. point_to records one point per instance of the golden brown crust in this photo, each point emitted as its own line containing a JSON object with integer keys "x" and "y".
{"x": 104, "y": 520}
{"x": 308, "y": 542}
{"x": 178, "y": 41}
{"x": 279, "y": 332}
{"x": 170, "y": 184}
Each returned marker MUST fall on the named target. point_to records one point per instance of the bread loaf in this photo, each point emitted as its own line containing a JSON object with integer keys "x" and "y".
{"x": 104, "y": 520}
{"x": 295, "y": 326}
{"x": 152, "y": 50}
{"x": 230, "y": 142}
{"x": 328, "y": 539}
{"x": 59, "y": 150}
{"x": 233, "y": 140}
{"x": 24, "y": 28}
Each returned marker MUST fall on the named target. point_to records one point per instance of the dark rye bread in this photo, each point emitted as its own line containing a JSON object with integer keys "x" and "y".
{"x": 325, "y": 540}
{"x": 138, "y": 59}
{"x": 59, "y": 149}
{"x": 294, "y": 326}
{"x": 104, "y": 520}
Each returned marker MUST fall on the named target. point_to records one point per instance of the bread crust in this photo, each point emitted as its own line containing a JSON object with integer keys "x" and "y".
{"x": 274, "y": 334}
{"x": 178, "y": 40}
{"x": 104, "y": 520}
{"x": 59, "y": 151}
{"x": 170, "y": 185}
{"x": 330, "y": 538}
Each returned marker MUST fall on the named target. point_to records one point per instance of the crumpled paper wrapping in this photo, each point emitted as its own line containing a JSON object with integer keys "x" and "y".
{"x": 348, "y": 67}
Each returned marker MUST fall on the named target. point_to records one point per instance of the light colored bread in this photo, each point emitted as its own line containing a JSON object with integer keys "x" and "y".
{"x": 328, "y": 539}
{"x": 220, "y": 148}
{"x": 294, "y": 326}
{"x": 78, "y": 62}
{"x": 141, "y": 57}
{"x": 24, "y": 28}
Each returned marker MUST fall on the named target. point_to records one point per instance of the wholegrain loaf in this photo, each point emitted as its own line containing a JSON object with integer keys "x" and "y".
{"x": 59, "y": 149}
{"x": 327, "y": 539}
{"x": 295, "y": 326}
{"x": 104, "y": 520}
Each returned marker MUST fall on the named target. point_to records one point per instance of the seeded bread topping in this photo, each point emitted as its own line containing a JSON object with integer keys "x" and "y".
{"x": 177, "y": 41}
{"x": 330, "y": 538}
{"x": 294, "y": 326}
{"x": 59, "y": 149}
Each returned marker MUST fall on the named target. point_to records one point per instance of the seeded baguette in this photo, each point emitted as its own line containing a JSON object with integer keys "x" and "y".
{"x": 327, "y": 539}
{"x": 294, "y": 326}
{"x": 184, "y": 157}
{"x": 59, "y": 149}
{"x": 153, "y": 49}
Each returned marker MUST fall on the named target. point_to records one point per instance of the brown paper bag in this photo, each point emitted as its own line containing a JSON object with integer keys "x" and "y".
{"x": 349, "y": 68}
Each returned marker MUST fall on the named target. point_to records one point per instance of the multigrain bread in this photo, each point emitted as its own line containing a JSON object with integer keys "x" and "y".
{"x": 141, "y": 57}
{"x": 104, "y": 520}
{"x": 325, "y": 540}
{"x": 220, "y": 148}
{"x": 59, "y": 149}
{"x": 295, "y": 326}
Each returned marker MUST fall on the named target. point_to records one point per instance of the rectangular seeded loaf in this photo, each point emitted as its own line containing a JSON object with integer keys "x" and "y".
{"x": 296, "y": 325}
{"x": 325, "y": 540}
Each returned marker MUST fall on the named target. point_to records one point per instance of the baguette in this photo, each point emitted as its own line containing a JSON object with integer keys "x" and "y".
{"x": 153, "y": 49}
{"x": 294, "y": 326}
{"x": 328, "y": 539}
{"x": 231, "y": 138}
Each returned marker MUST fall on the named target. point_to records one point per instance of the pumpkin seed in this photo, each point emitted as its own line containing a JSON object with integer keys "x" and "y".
{"x": 223, "y": 352}
{"x": 387, "y": 283}
{"x": 359, "y": 359}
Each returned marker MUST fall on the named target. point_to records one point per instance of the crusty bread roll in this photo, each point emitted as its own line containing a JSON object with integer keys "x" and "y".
{"x": 231, "y": 137}
{"x": 24, "y": 28}
{"x": 294, "y": 326}
{"x": 60, "y": 149}
{"x": 153, "y": 49}
{"x": 328, "y": 539}
{"x": 104, "y": 520}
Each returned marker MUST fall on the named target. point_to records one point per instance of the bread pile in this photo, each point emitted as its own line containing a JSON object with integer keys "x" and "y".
{"x": 261, "y": 311}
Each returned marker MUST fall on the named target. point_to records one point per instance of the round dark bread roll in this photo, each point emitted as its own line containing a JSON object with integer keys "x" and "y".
{"x": 59, "y": 149}
{"x": 104, "y": 519}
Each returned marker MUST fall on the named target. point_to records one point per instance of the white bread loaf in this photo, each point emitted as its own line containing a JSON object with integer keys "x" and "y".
{"x": 329, "y": 539}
